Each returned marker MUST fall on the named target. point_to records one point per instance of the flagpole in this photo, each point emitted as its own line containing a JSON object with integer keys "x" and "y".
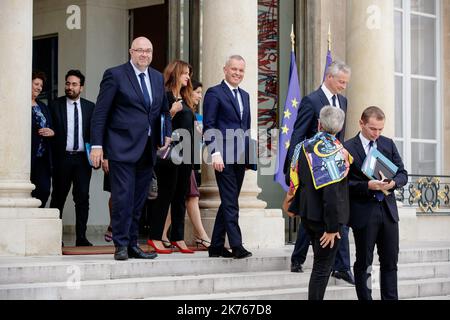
{"x": 328, "y": 59}
{"x": 329, "y": 37}
{"x": 293, "y": 38}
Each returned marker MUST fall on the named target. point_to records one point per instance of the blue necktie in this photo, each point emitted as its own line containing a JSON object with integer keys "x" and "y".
{"x": 333, "y": 98}
{"x": 237, "y": 101}
{"x": 75, "y": 127}
{"x": 379, "y": 195}
{"x": 147, "y": 98}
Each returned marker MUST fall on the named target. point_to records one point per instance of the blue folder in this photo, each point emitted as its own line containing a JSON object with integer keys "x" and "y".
{"x": 162, "y": 130}
{"x": 375, "y": 162}
{"x": 87, "y": 147}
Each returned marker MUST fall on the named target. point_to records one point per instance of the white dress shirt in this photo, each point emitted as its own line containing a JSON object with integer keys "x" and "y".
{"x": 70, "y": 125}
{"x": 241, "y": 105}
{"x": 330, "y": 95}
{"x": 146, "y": 79}
{"x": 147, "y": 84}
{"x": 365, "y": 142}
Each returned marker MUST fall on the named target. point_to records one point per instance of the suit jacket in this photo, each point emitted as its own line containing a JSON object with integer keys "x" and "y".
{"x": 362, "y": 200}
{"x": 221, "y": 112}
{"x": 305, "y": 125}
{"x": 58, "y": 110}
{"x": 329, "y": 204}
{"x": 121, "y": 118}
{"x": 36, "y": 138}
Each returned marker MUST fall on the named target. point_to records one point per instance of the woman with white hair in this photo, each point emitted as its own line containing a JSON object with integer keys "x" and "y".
{"x": 318, "y": 174}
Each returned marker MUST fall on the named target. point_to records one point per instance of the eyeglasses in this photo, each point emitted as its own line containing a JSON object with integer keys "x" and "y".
{"x": 141, "y": 51}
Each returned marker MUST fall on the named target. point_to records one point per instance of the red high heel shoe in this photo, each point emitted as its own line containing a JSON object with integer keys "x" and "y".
{"x": 162, "y": 251}
{"x": 174, "y": 243}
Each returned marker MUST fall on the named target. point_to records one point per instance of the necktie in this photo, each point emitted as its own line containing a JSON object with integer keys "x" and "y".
{"x": 378, "y": 194}
{"x": 75, "y": 127}
{"x": 237, "y": 101}
{"x": 147, "y": 98}
{"x": 333, "y": 98}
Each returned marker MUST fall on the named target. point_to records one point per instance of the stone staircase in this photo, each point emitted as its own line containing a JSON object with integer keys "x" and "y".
{"x": 424, "y": 273}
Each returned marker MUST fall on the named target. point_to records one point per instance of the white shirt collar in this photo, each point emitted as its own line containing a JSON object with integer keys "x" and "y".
{"x": 70, "y": 101}
{"x": 230, "y": 86}
{"x": 137, "y": 71}
{"x": 327, "y": 92}
{"x": 365, "y": 142}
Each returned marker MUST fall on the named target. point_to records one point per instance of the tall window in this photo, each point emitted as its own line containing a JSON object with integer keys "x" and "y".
{"x": 417, "y": 85}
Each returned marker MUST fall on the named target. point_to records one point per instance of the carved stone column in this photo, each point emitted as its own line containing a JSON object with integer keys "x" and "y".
{"x": 370, "y": 54}
{"x": 223, "y": 25}
{"x": 24, "y": 229}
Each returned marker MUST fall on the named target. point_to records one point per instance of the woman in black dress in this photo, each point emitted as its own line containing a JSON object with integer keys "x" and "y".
{"x": 41, "y": 134}
{"x": 174, "y": 179}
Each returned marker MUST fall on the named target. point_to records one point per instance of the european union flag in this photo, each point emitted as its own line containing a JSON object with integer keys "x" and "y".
{"x": 289, "y": 115}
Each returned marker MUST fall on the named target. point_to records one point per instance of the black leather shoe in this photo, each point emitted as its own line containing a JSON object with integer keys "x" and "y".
{"x": 137, "y": 253}
{"x": 215, "y": 252}
{"x": 121, "y": 253}
{"x": 241, "y": 253}
{"x": 83, "y": 242}
{"x": 347, "y": 276}
{"x": 296, "y": 267}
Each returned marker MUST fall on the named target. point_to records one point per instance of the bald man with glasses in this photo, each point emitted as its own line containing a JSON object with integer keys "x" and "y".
{"x": 126, "y": 127}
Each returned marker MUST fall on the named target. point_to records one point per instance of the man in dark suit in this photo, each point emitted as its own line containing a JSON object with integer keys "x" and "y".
{"x": 126, "y": 125}
{"x": 374, "y": 215}
{"x": 227, "y": 108}
{"x": 336, "y": 79}
{"x": 71, "y": 121}
{"x": 322, "y": 195}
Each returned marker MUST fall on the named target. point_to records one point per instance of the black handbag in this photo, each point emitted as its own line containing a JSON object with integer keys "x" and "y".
{"x": 170, "y": 154}
{"x": 153, "y": 190}
{"x": 164, "y": 153}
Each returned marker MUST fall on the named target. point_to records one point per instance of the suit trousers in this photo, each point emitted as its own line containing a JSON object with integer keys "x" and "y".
{"x": 323, "y": 260}
{"x": 173, "y": 184}
{"x": 40, "y": 176}
{"x": 67, "y": 170}
{"x": 383, "y": 231}
{"x": 129, "y": 189}
{"x": 229, "y": 182}
{"x": 342, "y": 261}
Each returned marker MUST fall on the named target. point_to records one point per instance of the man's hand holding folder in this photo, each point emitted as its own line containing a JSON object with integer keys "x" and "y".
{"x": 383, "y": 185}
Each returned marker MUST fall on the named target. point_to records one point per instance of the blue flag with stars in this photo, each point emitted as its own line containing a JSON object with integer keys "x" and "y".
{"x": 287, "y": 125}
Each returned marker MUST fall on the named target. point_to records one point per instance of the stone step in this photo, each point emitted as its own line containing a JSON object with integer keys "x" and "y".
{"x": 139, "y": 287}
{"x": 103, "y": 267}
{"x": 409, "y": 255}
{"x": 415, "y": 271}
{"x": 408, "y": 289}
{"x": 136, "y": 288}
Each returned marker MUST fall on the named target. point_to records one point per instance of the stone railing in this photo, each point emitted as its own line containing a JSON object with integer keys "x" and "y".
{"x": 429, "y": 193}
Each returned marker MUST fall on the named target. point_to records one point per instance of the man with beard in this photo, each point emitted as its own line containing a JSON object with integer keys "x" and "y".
{"x": 72, "y": 118}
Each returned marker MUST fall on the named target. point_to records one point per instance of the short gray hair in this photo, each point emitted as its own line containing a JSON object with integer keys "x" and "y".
{"x": 331, "y": 119}
{"x": 338, "y": 66}
{"x": 234, "y": 57}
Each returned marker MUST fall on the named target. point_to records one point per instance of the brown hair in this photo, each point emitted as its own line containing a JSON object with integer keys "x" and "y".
{"x": 370, "y": 112}
{"x": 172, "y": 74}
{"x": 38, "y": 75}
